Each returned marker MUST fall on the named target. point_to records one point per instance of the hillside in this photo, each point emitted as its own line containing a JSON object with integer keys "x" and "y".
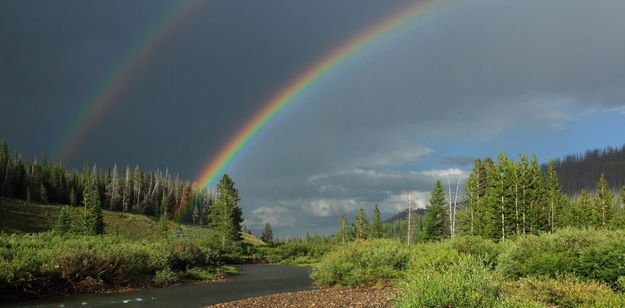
{"x": 404, "y": 215}
{"x": 582, "y": 171}
{"x": 18, "y": 216}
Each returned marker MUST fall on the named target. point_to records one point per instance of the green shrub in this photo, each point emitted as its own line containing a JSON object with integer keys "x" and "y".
{"x": 590, "y": 254}
{"x": 432, "y": 255}
{"x": 30, "y": 263}
{"x": 568, "y": 291}
{"x": 164, "y": 277}
{"x": 483, "y": 249}
{"x": 296, "y": 253}
{"x": 360, "y": 262}
{"x": 463, "y": 283}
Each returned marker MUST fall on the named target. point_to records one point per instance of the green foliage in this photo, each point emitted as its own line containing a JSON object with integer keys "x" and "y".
{"x": 296, "y": 253}
{"x": 464, "y": 283}
{"x": 94, "y": 221}
{"x": 590, "y": 254}
{"x": 267, "y": 235}
{"x": 376, "y": 225}
{"x": 345, "y": 233}
{"x": 604, "y": 203}
{"x": 28, "y": 263}
{"x": 361, "y": 225}
{"x": 567, "y": 291}
{"x": 436, "y": 215}
{"x": 43, "y": 194}
{"x": 164, "y": 277}
{"x": 362, "y": 261}
{"x": 64, "y": 222}
{"x": 225, "y": 214}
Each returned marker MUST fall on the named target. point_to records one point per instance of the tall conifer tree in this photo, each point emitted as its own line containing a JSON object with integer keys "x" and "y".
{"x": 344, "y": 230}
{"x": 94, "y": 220}
{"x": 226, "y": 215}
{"x": 361, "y": 226}
{"x": 436, "y": 215}
{"x": 556, "y": 201}
{"x": 376, "y": 225}
{"x": 267, "y": 235}
{"x": 604, "y": 203}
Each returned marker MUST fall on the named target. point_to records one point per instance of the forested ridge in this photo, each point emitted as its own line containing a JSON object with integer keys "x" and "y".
{"x": 154, "y": 193}
{"x": 581, "y": 171}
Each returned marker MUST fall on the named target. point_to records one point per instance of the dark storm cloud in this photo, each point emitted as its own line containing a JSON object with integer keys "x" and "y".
{"x": 377, "y": 129}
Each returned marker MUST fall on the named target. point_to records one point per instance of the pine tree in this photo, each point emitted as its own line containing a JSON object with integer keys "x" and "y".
{"x": 475, "y": 189}
{"x": 436, "y": 216}
{"x": 225, "y": 215}
{"x": 361, "y": 225}
{"x": 344, "y": 230}
{"x": 585, "y": 214}
{"x": 498, "y": 211}
{"x": 43, "y": 194}
{"x": 604, "y": 203}
{"x": 538, "y": 212}
{"x": 72, "y": 197}
{"x": 63, "y": 222}
{"x": 94, "y": 220}
{"x": 555, "y": 199}
{"x": 376, "y": 226}
{"x": 267, "y": 235}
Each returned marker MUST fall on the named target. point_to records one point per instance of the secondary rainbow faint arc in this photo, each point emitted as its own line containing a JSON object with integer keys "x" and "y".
{"x": 304, "y": 81}
{"x": 118, "y": 78}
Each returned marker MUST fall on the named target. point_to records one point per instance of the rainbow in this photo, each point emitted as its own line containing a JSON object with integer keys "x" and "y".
{"x": 122, "y": 74}
{"x": 390, "y": 26}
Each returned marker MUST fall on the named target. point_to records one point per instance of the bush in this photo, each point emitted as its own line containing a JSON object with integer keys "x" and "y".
{"x": 463, "y": 283}
{"x": 164, "y": 277}
{"x": 483, "y": 249}
{"x": 34, "y": 263}
{"x": 590, "y": 254}
{"x": 568, "y": 291}
{"x": 361, "y": 262}
{"x": 296, "y": 253}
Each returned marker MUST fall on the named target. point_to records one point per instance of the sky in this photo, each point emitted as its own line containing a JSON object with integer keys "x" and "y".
{"x": 487, "y": 76}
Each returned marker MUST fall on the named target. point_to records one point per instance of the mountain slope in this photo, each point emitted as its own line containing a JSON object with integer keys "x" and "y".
{"x": 18, "y": 216}
{"x": 582, "y": 171}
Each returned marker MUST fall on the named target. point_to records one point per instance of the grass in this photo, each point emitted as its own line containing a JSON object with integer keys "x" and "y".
{"x": 20, "y": 217}
{"x": 134, "y": 251}
{"x": 569, "y": 268}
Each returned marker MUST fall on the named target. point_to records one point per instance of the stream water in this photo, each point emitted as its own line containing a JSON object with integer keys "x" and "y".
{"x": 252, "y": 280}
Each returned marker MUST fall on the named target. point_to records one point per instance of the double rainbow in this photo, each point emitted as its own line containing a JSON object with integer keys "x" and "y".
{"x": 391, "y": 26}
{"x": 121, "y": 75}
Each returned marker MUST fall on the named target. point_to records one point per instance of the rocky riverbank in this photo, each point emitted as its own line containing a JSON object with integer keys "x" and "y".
{"x": 330, "y": 297}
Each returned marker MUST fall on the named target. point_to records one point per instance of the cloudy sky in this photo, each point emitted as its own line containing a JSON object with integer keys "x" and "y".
{"x": 533, "y": 76}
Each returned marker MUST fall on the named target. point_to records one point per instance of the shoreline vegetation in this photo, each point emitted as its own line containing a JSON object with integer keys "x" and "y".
{"x": 135, "y": 252}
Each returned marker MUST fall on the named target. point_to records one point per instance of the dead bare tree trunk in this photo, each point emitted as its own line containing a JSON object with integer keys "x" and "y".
{"x": 409, "y": 232}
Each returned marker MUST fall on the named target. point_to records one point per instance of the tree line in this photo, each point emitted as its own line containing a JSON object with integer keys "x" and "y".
{"x": 507, "y": 198}
{"x": 155, "y": 193}
{"x": 581, "y": 171}
{"x": 361, "y": 228}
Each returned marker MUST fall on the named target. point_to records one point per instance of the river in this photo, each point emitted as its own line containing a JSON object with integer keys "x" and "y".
{"x": 252, "y": 280}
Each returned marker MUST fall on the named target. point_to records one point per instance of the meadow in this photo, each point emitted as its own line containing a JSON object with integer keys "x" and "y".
{"x": 569, "y": 268}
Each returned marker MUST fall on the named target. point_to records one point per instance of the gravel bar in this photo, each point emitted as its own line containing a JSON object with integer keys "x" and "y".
{"x": 329, "y": 297}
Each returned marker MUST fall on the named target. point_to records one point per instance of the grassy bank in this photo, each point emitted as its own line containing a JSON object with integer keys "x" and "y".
{"x": 570, "y": 268}
{"x": 135, "y": 251}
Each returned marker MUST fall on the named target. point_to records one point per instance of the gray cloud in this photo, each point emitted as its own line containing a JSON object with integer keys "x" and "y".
{"x": 457, "y": 160}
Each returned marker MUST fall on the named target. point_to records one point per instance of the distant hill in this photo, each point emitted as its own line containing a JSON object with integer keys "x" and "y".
{"x": 404, "y": 215}
{"x": 582, "y": 171}
{"x": 19, "y": 216}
